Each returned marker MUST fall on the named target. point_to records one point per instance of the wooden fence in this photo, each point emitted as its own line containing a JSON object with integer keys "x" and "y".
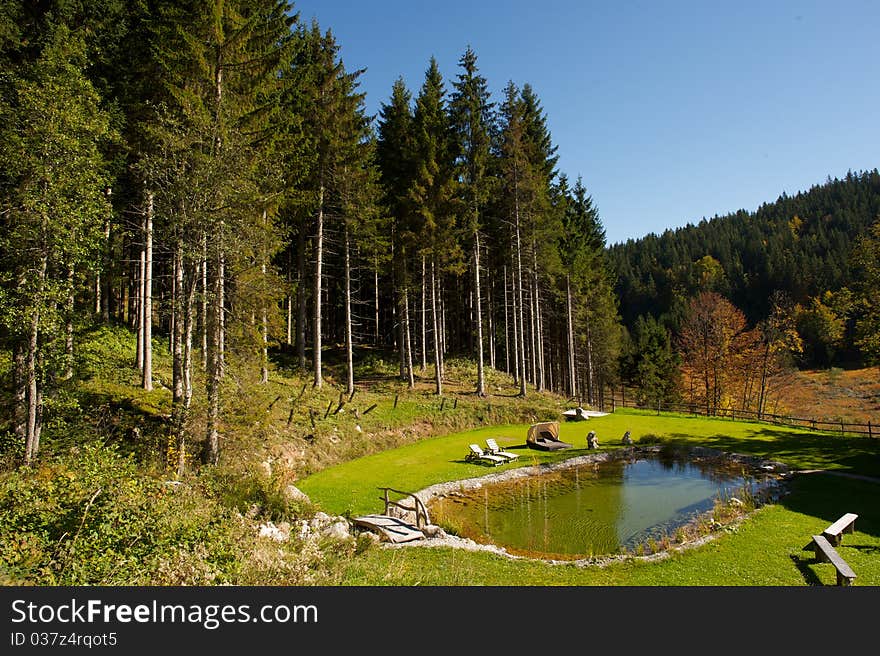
{"x": 618, "y": 398}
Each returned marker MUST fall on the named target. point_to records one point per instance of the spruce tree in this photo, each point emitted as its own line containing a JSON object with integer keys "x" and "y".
{"x": 471, "y": 117}
{"x": 432, "y": 194}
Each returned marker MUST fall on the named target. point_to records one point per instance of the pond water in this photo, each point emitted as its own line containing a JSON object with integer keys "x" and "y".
{"x": 591, "y": 509}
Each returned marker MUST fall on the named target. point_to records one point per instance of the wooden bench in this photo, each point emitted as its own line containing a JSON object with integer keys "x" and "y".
{"x": 846, "y": 524}
{"x": 827, "y": 553}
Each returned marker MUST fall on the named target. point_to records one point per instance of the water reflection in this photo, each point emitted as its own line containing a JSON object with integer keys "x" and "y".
{"x": 593, "y": 509}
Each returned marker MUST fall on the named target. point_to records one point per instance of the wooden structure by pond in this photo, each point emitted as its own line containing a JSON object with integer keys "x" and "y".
{"x": 824, "y": 544}
{"x": 397, "y": 529}
{"x": 545, "y": 437}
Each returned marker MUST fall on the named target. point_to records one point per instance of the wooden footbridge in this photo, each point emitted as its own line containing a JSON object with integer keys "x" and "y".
{"x": 395, "y": 529}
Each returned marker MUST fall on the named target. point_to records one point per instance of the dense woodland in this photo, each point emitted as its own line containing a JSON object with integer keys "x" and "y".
{"x": 205, "y": 173}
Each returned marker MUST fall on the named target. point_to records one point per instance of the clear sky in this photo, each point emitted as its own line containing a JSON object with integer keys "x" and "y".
{"x": 669, "y": 111}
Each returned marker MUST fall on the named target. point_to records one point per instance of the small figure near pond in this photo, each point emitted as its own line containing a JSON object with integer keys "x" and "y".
{"x": 626, "y": 438}
{"x": 592, "y": 440}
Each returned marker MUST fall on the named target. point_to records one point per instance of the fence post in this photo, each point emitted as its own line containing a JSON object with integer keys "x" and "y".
{"x": 869, "y": 429}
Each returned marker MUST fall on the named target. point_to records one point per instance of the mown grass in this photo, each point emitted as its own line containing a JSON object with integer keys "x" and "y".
{"x": 352, "y": 487}
{"x": 766, "y": 549}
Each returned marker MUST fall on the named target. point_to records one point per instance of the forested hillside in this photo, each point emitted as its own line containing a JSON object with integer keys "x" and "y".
{"x": 205, "y": 174}
{"x": 810, "y": 248}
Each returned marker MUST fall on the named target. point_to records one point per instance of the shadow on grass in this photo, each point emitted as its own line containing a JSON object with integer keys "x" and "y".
{"x": 804, "y": 566}
{"x": 799, "y": 450}
{"x": 825, "y": 497}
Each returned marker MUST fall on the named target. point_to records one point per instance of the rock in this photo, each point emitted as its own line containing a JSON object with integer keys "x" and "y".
{"x": 266, "y": 466}
{"x": 433, "y": 531}
{"x": 736, "y": 502}
{"x": 303, "y": 530}
{"x": 338, "y": 530}
{"x": 278, "y": 533}
{"x": 370, "y": 535}
{"x": 293, "y": 493}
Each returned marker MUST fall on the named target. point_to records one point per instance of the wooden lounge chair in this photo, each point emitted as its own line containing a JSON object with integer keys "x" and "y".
{"x": 476, "y": 454}
{"x": 493, "y": 448}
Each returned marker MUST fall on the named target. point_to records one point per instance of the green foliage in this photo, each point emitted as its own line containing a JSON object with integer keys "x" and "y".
{"x": 655, "y": 364}
{"x": 866, "y": 256}
{"x": 255, "y": 494}
{"x": 803, "y": 245}
{"x": 821, "y": 328}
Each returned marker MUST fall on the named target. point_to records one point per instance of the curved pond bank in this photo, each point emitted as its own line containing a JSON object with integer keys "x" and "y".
{"x": 448, "y": 494}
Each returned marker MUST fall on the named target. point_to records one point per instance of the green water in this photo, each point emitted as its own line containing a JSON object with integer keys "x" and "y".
{"x": 595, "y": 509}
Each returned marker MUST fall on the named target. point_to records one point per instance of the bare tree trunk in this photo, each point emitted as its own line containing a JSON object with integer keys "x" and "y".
{"x": 572, "y": 378}
{"x": 376, "y": 341}
{"x": 289, "y": 301}
{"x": 533, "y": 339}
{"x": 147, "y": 379}
{"x": 520, "y": 318}
{"x": 38, "y": 405}
{"x": 539, "y": 328}
{"x": 187, "y": 380}
{"x": 31, "y": 387}
{"x": 221, "y": 306}
{"x": 319, "y": 246}
{"x": 215, "y": 368}
{"x": 68, "y": 327}
{"x": 105, "y": 297}
{"x": 506, "y": 327}
{"x": 441, "y": 302}
{"x": 177, "y": 359}
{"x": 301, "y": 296}
{"x": 409, "y": 361}
{"x": 349, "y": 346}
{"x": 264, "y": 319}
{"x": 97, "y": 290}
{"x": 438, "y": 375}
{"x": 478, "y": 318}
{"x": 490, "y": 316}
{"x": 424, "y": 343}
{"x": 139, "y": 307}
{"x": 203, "y": 270}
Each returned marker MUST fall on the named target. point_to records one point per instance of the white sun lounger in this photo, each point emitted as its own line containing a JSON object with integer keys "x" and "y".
{"x": 478, "y": 455}
{"x": 493, "y": 448}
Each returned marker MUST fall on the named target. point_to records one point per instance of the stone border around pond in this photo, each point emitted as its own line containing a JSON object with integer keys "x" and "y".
{"x": 436, "y": 537}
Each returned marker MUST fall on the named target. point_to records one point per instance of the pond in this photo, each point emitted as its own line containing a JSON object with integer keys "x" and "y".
{"x": 594, "y": 508}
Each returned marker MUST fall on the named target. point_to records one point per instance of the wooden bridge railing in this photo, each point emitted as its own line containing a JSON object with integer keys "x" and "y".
{"x": 418, "y": 507}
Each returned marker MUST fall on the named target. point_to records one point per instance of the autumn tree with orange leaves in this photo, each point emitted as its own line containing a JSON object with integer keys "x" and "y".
{"x": 713, "y": 341}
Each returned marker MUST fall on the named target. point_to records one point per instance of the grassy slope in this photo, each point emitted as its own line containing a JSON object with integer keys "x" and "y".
{"x": 764, "y": 550}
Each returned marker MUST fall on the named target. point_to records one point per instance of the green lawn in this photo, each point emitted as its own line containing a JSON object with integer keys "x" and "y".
{"x": 764, "y": 550}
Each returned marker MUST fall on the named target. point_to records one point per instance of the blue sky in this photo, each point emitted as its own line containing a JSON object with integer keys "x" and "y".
{"x": 669, "y": 111}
